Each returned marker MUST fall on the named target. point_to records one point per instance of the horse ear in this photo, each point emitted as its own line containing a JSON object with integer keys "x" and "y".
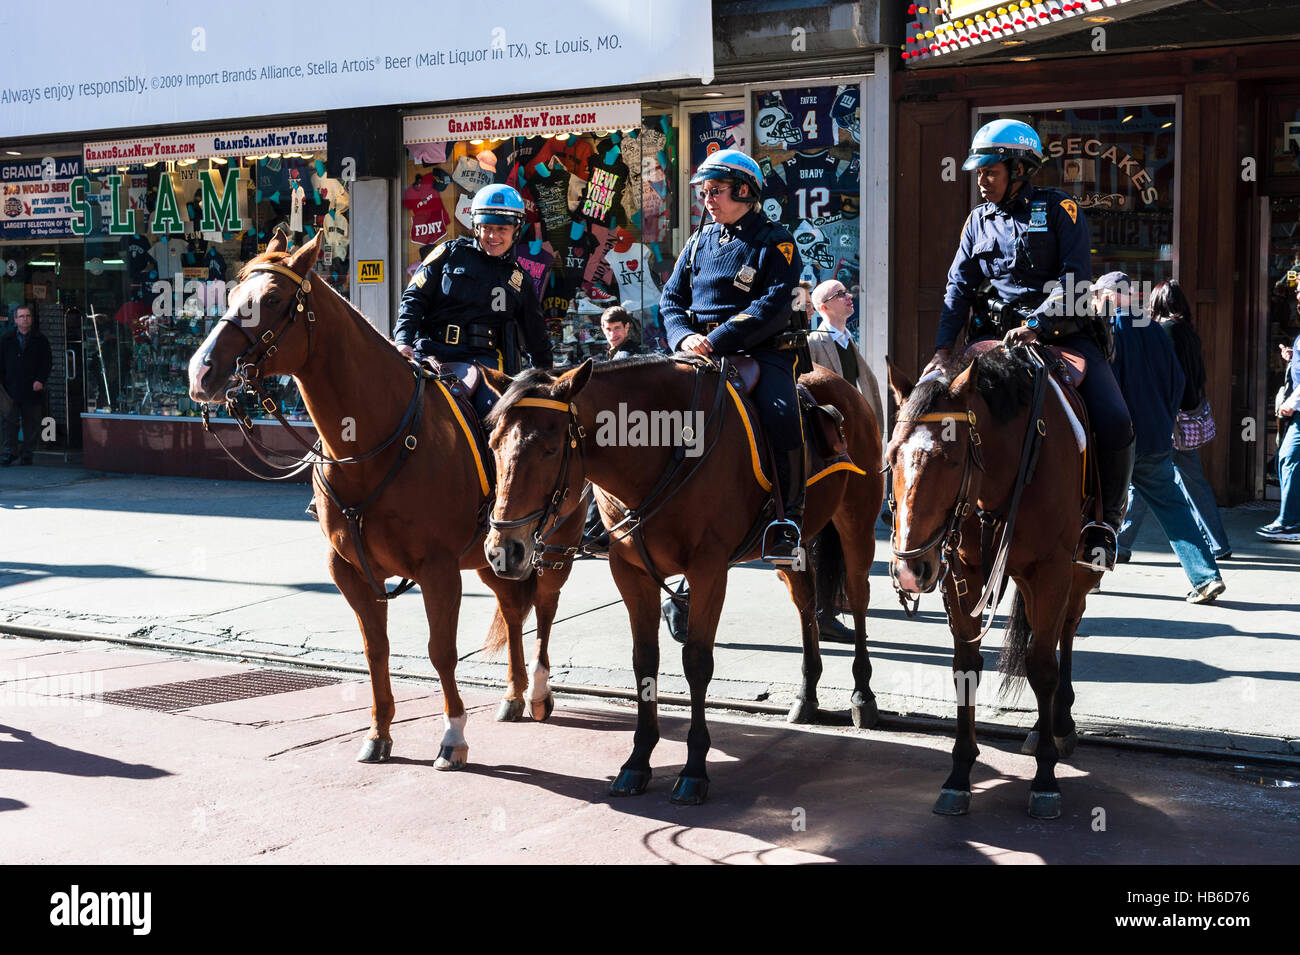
{"x": 279, "y": 242}
{"x": 499, "y": 381}
{"x": 306, "y": 256}
{"x": 899, "y": 383}
{"x": 568, "y": 385}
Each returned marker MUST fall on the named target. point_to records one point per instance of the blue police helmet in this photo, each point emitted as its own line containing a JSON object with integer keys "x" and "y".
{"x": 734, "y": 165}
{"x": 497, "y": 205}
{"x": 1005, "y": 140}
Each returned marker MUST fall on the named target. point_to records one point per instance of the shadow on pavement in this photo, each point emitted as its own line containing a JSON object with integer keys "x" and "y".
{"x": 19, "y": 572}
{"x": 31, "y": 754}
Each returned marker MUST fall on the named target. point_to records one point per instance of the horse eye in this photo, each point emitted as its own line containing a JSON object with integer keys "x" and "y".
{"x": 550, "y": 452}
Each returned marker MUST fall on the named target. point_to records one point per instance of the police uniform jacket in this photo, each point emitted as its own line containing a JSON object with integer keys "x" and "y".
{"x": 743, "y": 279}
{"x": 1038, "y": 239}
{"x": 447, "y": 310}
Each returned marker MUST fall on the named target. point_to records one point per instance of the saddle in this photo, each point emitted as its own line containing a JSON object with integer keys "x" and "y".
{"x": 824, "y": 424}
{"x": 462, "y": 379}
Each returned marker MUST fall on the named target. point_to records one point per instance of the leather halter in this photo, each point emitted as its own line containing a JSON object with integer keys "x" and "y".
{"x": 948, "y": 537}
{"x": 548, "y": 512}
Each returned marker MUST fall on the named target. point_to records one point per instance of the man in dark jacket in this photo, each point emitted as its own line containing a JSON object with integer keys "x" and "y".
{"x": 25, "y": 363}
{"x": 1152, "y": 383}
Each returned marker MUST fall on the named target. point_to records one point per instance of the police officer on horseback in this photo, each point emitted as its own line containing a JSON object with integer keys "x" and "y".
{"x": 733, "y": 291}
{"x": 1021, "y": 273}
{"x": 470, "y": 301}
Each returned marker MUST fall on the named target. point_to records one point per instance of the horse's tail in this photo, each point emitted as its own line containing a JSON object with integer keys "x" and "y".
{"x": 827, "y": 553}
{"x": 1015, "y": 646}
{"x": 498, "y": 634}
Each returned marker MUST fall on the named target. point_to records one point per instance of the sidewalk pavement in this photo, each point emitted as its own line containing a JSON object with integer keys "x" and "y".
{"x": 236, "y": 565}
{"x": 271, "y": 779}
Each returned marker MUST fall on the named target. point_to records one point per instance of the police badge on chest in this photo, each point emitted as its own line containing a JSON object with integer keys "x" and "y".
{"x": 745, "y": 278}
{"x": 1038, "y": 217}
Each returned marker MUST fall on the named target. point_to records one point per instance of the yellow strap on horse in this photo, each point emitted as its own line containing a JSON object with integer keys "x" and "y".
{"x": 302, "y": 280}
{"x": 937, "y": 416}
{"x": 759, "y": 476}
{"x": 469, "y": 436}
{"x": 543, "y": 403}
{"x": 837, "y": 466}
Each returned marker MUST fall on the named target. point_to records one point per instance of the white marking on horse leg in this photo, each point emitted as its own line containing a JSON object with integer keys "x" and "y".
{"x": 454, "y": 734}
{"x": 539, "y": 682}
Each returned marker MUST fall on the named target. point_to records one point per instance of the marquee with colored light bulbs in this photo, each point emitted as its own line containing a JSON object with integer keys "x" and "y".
{"x": 955, "y": 25}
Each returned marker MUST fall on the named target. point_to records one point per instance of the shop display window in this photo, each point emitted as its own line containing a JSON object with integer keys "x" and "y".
{"x": 601, "y": 213}
{"x": 807, "y": 141}
{"x": 1117, "y": 162}
{"x": 164, "y": 245}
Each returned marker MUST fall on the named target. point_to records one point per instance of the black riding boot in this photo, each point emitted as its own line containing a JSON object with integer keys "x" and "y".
{"x": 311, "y": 508}
{"x": 781, "y": 539}
{"x": 1115, "y": 473}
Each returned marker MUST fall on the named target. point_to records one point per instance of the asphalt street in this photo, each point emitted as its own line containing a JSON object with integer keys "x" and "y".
{"x": 237, "y": 566}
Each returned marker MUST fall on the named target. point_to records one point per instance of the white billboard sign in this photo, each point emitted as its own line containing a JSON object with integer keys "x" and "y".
{"x": 182, "y": 62}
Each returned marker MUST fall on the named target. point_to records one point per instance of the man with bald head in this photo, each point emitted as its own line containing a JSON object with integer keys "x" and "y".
{"x": 832, "y": 347}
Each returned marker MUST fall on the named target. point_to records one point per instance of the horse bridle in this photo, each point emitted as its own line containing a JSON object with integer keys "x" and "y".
{"x": 549, "y": 512}
{"x": 948, "y": 538}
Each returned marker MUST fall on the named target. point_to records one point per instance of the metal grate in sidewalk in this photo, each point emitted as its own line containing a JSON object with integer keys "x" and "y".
{"x": 170, "y": 697}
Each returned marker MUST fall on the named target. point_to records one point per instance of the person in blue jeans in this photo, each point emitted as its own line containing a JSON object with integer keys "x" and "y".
{"x": 1286, "y": 527}
{"x": 1170, "y": 307}
{"x": 1152, "y": 384}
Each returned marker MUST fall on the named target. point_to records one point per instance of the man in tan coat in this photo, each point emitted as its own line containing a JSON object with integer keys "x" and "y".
{"x": 833, "y": 347}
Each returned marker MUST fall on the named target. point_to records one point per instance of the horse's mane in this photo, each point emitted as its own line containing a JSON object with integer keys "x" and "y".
{"x": 1003, "y": 377}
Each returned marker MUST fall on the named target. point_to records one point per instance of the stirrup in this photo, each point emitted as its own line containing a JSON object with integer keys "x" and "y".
{"x": 775, "y": 550}
{"x": 1085, "y": 552}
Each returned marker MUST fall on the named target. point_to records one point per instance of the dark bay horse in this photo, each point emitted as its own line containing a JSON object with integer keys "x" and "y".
{"x": 956, "y": 453}
{"x": 696, "y": 494}
{"x": 403, "y": 450}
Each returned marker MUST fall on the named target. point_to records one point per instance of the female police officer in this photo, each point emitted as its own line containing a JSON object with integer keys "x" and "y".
{"x": 470, "y": 301}
{"x": 733, "y": 291}
{"x": 1023, "y": 266}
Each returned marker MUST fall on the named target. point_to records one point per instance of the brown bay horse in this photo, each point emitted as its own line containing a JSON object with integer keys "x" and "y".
{"x": 694, "y": 507}
{"x": 957, "y": 453}
{"x": 396, "y": 447}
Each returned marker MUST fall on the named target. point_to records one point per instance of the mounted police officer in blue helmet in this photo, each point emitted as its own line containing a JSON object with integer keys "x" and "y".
{"x": 733, "y": 291}
{"x": 1021, "y": 273}
{"x": 470, "y": 301}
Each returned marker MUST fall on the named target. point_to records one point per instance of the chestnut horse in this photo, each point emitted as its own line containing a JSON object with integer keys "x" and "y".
{"x": 956, "y": 453}
{"x": 693, "y": 502}
{"x": 418, "y": 479}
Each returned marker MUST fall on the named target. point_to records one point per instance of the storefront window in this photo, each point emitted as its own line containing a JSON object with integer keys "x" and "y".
{"x": 601, "y": 207}
{"x": 808, "y": 144}
{"x": 1118, "y": 164}
{"x": 164, "y": 243}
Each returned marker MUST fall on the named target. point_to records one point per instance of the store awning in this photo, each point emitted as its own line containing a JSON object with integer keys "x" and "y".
{"x": 976, "y": 31}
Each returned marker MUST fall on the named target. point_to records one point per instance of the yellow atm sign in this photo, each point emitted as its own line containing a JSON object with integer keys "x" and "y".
{"x": 370, "y": 271}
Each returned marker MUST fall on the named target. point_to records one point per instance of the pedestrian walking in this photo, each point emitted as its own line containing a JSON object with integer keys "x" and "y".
{"x": 1169, "y": 306}
{"x": 1152, "y": 383}
{"x": 1286, "y": 526}
{"x": 833, "y": 347}
{"x": 25, "y": 363}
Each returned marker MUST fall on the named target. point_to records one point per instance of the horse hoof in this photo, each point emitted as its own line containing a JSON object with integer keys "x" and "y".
{"x": 1065, "y": 744}
{"x": 1030, "y": 745}
{"x": 541, "y": 710}
{"x": 952, "y": 802}
{"x": 375, "y": 751}
{"x": 451, "y": 758}
{"x": 803, "y": 711}
{"x": 510, "y": 711}
{"x": 690, "y": 791}
{"x": 1045, "y": 805}
{"x": 630, "y": 782}
{"x": 865, "y": 715}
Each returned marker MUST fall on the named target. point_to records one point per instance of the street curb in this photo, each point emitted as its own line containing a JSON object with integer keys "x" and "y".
{"x": 1100, "y": 735}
